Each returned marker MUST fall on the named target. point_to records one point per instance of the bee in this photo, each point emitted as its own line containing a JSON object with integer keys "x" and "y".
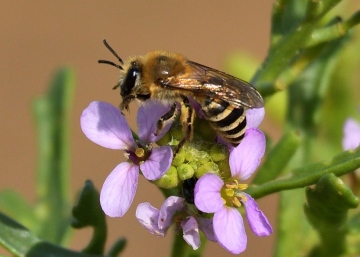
{"x": 171, "y": 78}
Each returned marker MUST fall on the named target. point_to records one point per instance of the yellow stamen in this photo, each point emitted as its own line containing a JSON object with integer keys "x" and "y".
{"x": 243, "y": 198}
{"x": 232, "y": 186}
{"x": 242, "y": 186}
{"x": 236, "y": 202}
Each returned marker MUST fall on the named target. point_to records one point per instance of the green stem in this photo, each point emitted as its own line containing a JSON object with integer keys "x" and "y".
{"x": 334, "y": 31}
{"x": 341, "y": 164}
{"x": 180, "y": 247}
{"x": 200, "y": 250}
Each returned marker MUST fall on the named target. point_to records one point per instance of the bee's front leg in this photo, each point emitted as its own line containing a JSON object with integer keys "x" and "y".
{"x": 166, "y": 119}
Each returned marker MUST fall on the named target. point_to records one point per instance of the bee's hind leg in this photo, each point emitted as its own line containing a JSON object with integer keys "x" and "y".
{"x": 187, "y": 117}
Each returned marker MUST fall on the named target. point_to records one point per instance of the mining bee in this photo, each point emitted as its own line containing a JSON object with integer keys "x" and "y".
{"x": 171, "y": 78}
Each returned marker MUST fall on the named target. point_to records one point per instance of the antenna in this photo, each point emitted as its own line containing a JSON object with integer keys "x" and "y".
{"x": 115, "y": 54}
{"x": 111, "y": 63}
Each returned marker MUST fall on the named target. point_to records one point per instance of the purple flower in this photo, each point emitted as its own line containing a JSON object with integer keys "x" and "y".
{"x": 175, "y": 210}
{"x": 351, "y": 139}
{"x": 104, "y": 125}
{"x": 223, "y": 198}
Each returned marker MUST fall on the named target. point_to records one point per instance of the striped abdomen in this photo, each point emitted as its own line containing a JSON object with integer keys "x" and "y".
{"x": 228, "y": 121}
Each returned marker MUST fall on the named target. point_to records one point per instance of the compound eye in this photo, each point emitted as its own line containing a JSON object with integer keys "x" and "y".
{"x": 130, "y": 81}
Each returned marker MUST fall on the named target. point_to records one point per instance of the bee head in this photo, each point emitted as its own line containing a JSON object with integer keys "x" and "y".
{"x": 130, "y": 80}
{"x": 129, "y": 83}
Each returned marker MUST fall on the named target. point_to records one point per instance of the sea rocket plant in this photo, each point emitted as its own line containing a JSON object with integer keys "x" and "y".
{"x": 104, "y": 125}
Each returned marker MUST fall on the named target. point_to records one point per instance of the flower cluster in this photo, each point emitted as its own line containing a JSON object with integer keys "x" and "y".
{"x": 212, "y": 203}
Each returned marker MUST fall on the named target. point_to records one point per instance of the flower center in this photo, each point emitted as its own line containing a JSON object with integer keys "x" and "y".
{"x": 231, "y": 193}
{"x": 139, "y": 156}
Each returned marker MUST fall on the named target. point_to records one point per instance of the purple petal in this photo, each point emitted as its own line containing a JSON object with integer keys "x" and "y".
{"x": 207, "y": 193}
{"x": 254, "y": 117}
{"x": 104, "y": 125}
{"x": 246, "y": 157}
{"x": 191, "y": 232}
{"x": 206, "y": 226}
{"x": 229, "y": 230}
{"x": 170, "y": 206}
{"x": 119, "y": 189}
{"x": 148, "y": 115}
{"x": 351, "y": 139}
{"x": 158, "y": 163}
{"x": 258, "y": 222}
{"x": 148, "y": 217}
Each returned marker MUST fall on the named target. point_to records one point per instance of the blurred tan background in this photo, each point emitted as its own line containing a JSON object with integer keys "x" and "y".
{"x": 38, "y": 37}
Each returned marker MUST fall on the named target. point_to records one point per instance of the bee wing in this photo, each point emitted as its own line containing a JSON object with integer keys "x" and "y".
{"x": 213, "y": 83}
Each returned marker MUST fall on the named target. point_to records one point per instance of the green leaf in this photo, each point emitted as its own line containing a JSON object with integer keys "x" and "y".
{"x": 88, "y": 212}
{"x": 52, "y": 113}
{"x": 14, "y": 205}
{"x": 14, "y": 237}
{"x": 286, "y": 15}
{"x": 117, "y": 247}
{"x": 327, "y": 208}
{"x": 287, "y": 44}
{"x": 21, "y": 242}
{"x": 307, "y": 94}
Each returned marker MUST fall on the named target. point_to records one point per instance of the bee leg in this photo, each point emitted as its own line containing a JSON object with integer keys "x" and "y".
{"x": 166, "y": 119}
{"x": 187, "y": 120}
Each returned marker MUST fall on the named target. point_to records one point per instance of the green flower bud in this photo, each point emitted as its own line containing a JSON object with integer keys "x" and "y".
{"x": 203, "y": 157}
{"x": 218, "y": 152}
{"x": 224, "y": 168}
{"x": 209, "y": 167}
{"x": 190, "y": 153}
{"x": 179, "y": 158}
{"x": 169, "y": 179}
{"x": 165, "y": 139}
{"x": 185, "y": 171}
{"x": 176, "y": 132}
{"x": 194, "y": 165}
